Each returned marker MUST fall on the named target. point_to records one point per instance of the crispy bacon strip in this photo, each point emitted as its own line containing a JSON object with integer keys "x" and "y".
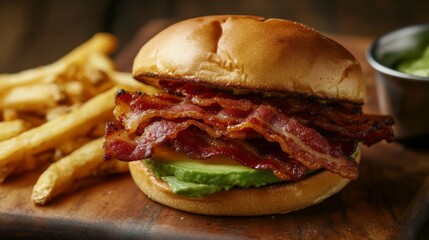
{"x": 301, "y": 143}
{"x": 304, "y": 138}
{"x": 119, "y": 145}
{"x": 294, "y": 138}
{"x": 345, "y": 121}
{"x": 199, "y": 145}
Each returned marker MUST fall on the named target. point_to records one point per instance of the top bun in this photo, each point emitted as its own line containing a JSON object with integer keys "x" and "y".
{"x": 252, "y": 53}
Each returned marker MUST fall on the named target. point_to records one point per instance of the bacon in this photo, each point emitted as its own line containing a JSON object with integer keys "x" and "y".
{"x": 199, "y": 145}
{"x": 132, "y": 111}
{"x": 301, "y": 143}
{"x": 302, "y": 134}
{"x": 344, "y": 121}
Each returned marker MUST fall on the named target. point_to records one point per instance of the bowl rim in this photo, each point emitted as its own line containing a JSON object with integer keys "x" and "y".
{"x": 390, "y": 71}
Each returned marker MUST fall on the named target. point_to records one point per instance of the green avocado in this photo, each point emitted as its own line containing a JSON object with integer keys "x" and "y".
{"x": 198, "y": 178}
{"x": 199, "y": 171}
{"x": 189, "y": 189}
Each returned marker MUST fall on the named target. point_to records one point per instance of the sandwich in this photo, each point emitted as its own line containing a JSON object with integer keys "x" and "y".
{"x": 254, "y": 116}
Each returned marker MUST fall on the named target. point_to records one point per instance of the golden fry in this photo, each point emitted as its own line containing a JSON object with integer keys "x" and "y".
{"x": 33, "y": 98}
{"x": 60, "y": 111}
{"x": 54, "y": 112}
{"x": 69, "y": 147}
{"x": 9, "y": 129}
{"x": 30, "y": 76}
{"x": 55, "y": 132}
{"x": 32, "y": 162}
{"x": 95, "y": 70}
{"x": 101, "y": 42}
{"x": 32, "y": 119}
{"x": 82, "y": 163}
{"x": 9, "y": 114}
{"x": 99, "y": 61}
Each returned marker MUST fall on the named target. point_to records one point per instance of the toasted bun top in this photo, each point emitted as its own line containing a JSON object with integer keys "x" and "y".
{"x": 251, "y": 53}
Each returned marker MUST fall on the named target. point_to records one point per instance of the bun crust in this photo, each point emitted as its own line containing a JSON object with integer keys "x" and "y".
{"x": 272, "y": 199}
{"x": 251, "y": 53}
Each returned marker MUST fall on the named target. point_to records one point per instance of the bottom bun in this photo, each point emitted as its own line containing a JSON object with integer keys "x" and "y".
{"x": 272, "y": 199}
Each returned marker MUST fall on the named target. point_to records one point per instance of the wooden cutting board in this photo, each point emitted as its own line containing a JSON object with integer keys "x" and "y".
{"x": 371, "y": 207}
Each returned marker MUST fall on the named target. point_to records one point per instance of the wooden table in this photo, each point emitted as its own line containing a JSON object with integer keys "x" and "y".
{"x": 371, "y": 207}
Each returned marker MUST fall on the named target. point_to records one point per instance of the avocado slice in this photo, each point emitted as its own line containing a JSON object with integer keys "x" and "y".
{"x": 189, "y": 189}
{"x": 199, "y": 178}
{"x": 205, "y": 172}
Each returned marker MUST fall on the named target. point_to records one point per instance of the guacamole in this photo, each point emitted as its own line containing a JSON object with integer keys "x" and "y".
{"x": 416, "y": 66}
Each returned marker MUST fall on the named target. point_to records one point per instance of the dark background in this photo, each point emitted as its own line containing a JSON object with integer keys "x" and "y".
{"x": 37, "y": 32}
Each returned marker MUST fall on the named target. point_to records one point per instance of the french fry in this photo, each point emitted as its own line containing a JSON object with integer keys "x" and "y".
{"x": 9, "y": 129}
{"x": 70, "y": 146}
{"x": 101, "y": 42}
{"x": 60, "y": 111}
{"x": 30, "y": 76}
{"x": 33, "y": 162}
{"x": 55, "y": 132}
{"x": 75, "y": 91}
{"x": 52, "y": 114}
{"x": 9, "y": 114}
{"x": 84, "y": 162}
{"x": 33, "y": 98}
{"x": 99, "y": 61}
{"x": 32, "y": 119}
{"x": 95, "y": 70}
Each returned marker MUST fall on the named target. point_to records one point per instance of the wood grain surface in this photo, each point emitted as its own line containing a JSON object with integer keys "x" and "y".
{"x": 371, "y": 207}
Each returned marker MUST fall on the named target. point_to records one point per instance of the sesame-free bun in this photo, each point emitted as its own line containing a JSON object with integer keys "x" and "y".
{"x": 273, "y": 199}
{"x": 251, "y": 53}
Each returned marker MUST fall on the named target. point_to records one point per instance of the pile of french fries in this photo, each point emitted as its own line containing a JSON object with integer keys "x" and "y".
{"x": 54, "y": 116}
